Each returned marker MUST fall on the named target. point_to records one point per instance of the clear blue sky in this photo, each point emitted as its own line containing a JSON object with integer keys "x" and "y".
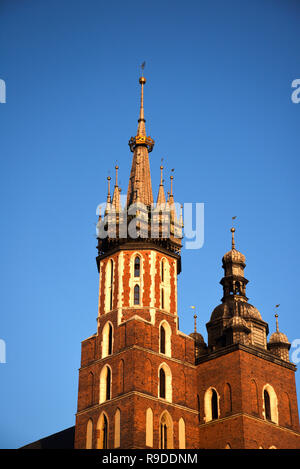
{"x": 218, "y": 104}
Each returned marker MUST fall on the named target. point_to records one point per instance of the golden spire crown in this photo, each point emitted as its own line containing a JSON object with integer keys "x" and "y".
{"x": 141, "y": 137}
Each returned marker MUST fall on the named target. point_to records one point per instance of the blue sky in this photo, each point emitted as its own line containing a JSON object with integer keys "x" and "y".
{"x": 218, "y": 104}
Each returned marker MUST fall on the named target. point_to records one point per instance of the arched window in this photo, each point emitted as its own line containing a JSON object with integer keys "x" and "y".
{"x": 162, "y": 384}
{"x": 109, "y": 277}
{"x": 137, "y": 267}
{"x": 102, "y": 432}
{"x": 214, "y": 405}
{"x": 108, "y": 381}
{"x": 89, "y": 434}
{"x": 162, "y": 299}
{"x": 165, "y": 338}
{"x": 165, "y": 382}
{"x": 162, "y": 269}
{"x": 166, "y": 431}
{"x": 162, "y": 339}
{"x": 267, "y": 405}
{"x": 211, "y": 405}
{"x": 105, "y": 384}
{"x": 270, "y": 404}
{"x": 107, "y": 340}
{"x": 136, "y": 295}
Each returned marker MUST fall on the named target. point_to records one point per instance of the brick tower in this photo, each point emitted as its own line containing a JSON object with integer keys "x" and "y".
{"x": 145, "y": 384}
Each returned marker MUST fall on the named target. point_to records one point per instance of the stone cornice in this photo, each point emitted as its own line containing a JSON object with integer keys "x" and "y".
{"x": 140, "y": 394}
{"x": 142, "y": 349}
{"x": 252, "y": 417}
{"x": 261, "y": 353}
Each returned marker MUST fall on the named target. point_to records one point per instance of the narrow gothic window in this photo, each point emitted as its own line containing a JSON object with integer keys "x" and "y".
{"x": 110, "y": 337}
{"x": 162, "y": 384}
{"x": 163, "y": 436}
{"x": 162, "y": 270}
{"x": 162, "y": 299}
{"x": 108, "y": 379}
{"x": 214, "y": 405}
{"x": 162, "y": 340}
{"x": 267, "y": 405}
{"x": 137, "y": 266}
{"x": 136, "y": 295}
{"x": 111, "y": 284}
{"x": 104, "y": 432}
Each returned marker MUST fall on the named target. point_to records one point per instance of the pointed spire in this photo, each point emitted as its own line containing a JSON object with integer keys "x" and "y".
{"x": 161, "y": 199}
{"x": 116, "y": 195}
{"x": 141, "y": 126}
{"x": 140, "y": 178}
{"x": 108, "y": 199}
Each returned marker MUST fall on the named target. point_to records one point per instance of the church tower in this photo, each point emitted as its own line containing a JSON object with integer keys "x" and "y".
{"x": 129, "y": 392}
{"x": 246, "y": 384}
{"x": 145, "y": 384}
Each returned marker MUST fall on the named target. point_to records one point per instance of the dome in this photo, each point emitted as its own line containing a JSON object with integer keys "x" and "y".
{"x": 223, "y": 311}
{"x": 197, "y": 337}
{"x": 234, "y": 256}
{"x": 278, "y": 338}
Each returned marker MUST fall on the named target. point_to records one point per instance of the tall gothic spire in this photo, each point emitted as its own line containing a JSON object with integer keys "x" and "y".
{"x": 139, "y": 187}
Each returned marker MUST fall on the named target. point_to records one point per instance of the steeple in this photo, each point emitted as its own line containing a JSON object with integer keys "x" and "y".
{"x": 139, "y": 187}
{"x": 161, "y": 199}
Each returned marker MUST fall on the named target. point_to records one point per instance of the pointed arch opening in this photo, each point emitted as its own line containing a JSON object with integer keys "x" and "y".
{"x": 102, "y": 432}
{"x": 105, "y": 384}
{"x": 117, "y": 429}
{"x": 137, "y": 266}
{"x": 211, "y": 405}
{"x": 270, "y": 404}
{"x": 181, "y": 433}
{"x": 149, "y": 427}
{"x": 165, "y": 333}
{"x": 89, "y": 435}
{"x": 166, "y": 431}
{"x": 107, "y": 339}
{"x": 136, "y": 295}
{"x": 165, "y": 382}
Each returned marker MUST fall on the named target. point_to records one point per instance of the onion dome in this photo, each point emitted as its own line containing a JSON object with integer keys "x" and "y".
{"x": 278, "y": 337}
{"x": 233, "y": 256}
{"x": 197, "y": 337}
{"x": 279, "y": 343}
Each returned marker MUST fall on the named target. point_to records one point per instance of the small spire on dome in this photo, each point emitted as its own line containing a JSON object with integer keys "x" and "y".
{"x": 195, "y": 323}
{"x": 276, "y": 317}
{"x": 232, "y": 238}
